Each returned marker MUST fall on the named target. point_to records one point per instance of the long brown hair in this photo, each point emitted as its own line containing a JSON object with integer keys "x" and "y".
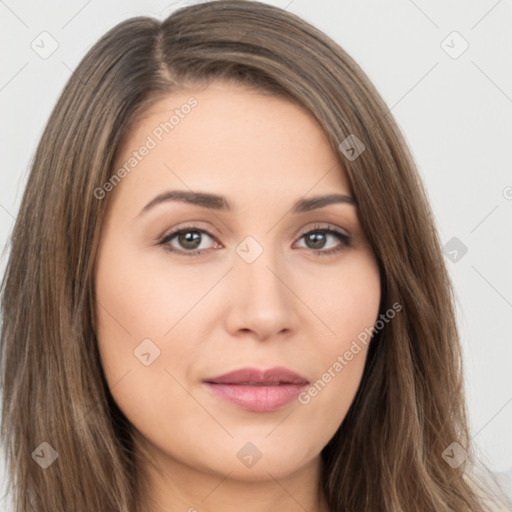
{"x": 387, "y": 454}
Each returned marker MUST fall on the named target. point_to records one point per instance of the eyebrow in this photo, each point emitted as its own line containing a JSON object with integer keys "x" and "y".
{"x": 221, "y": 203}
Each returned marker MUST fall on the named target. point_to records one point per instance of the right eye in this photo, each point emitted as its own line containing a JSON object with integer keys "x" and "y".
{"x": 190, "y": 239}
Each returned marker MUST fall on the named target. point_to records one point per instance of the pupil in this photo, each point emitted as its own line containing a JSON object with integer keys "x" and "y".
{"x": 190, "y": 237}
{"x": 317, "y": 239}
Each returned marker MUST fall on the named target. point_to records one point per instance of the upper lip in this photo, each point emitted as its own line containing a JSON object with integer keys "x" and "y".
{"x": 277, "y": 375}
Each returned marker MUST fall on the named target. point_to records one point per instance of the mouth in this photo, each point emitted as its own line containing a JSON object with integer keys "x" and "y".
{"x": 258, "y": 390}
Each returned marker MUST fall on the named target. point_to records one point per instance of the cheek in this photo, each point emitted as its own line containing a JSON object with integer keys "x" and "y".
{"x": 349, "y": 307}
{"x": 146, "y": 314}
{"x": 135, "y": 310}
{"x": 347, "y": 301}
{"x": 136, "y": 299}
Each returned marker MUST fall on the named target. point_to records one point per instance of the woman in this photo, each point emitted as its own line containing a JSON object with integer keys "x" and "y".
{"x": 302, "y": 355}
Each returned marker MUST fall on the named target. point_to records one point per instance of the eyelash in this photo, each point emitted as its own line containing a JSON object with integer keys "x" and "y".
{"x": 345, "y": 239}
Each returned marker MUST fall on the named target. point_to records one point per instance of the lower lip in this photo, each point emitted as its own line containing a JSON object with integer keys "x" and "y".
{"x": 257, "y": 398}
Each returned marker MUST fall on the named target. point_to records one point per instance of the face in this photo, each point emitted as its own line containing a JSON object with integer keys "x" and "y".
{"x": 190, "y": 291}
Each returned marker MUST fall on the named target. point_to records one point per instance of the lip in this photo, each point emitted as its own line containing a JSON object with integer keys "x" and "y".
{"x": 256, "y": 389}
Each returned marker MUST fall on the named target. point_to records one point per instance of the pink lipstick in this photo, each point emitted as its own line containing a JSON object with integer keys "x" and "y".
{"x": 258, "y": 390}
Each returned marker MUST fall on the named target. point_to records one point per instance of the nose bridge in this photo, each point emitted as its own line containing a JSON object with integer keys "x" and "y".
{"x": 262, "y": 301}
{"x": 258, "y": 266}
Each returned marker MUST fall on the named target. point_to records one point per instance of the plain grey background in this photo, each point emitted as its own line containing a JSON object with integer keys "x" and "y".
{"x": 444, "y": 69}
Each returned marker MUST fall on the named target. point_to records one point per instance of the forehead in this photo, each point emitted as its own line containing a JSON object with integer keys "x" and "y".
{"x": 228, "y": 136}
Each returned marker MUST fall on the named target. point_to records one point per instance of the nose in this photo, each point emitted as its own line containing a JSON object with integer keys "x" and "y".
{"x": 261, "y": 299}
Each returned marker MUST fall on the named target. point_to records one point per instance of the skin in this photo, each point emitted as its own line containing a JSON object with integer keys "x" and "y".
{"x": 215, "y": 312}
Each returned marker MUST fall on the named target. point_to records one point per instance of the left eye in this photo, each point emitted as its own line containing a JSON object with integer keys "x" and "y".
{"x": 319, "y": 236}
{"x": 190, "y": 240}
